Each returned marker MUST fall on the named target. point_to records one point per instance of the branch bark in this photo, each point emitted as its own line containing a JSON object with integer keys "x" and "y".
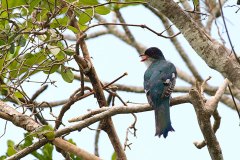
{"x": 203, "y": 117}
{"x": 212, "y": 52}
{"x": 27, "y": 123}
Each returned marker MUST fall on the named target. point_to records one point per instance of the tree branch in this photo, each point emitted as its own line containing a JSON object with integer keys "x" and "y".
{"x": 203, "y": 117}
{"x": 176, "y": 43}
{"x": 130, "y": 108}
{"x": 27, "y": 123}
{"x": 213, "y": 53}
{"x": 212, "y": 103}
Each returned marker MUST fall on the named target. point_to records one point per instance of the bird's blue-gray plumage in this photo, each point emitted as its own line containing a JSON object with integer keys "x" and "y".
{"x": 159, "y": 81}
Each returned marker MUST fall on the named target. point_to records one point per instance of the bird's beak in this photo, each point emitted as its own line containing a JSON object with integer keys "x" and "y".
{"x": 144, "y": 57}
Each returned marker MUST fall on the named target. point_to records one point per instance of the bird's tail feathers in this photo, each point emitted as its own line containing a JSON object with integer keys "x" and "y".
{"x": 162, "y": 120}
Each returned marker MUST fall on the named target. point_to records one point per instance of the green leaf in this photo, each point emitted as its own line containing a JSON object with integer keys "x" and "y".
{"x": 18, "y": 94}
{"x": 67, "y": 74}
{"x": 74, "y": 157}
{"x": 38, "y": 155}
{"x": 47, "y": 151}
{"x": 22, "y": 41}
{"x": 36, "y": 58}
{"x": 63, "y": 10}
{"x": 10, "y": 151}
{"x": 42, "y": 37}
{"x": 195, "y": 2}
{"x": 114, "y": 156}
{"x": 2, "y": 42}
{"x": 52, "y": 33}
{"x": 73, "y": 29}
{"x": 54, "y": 49}
{"x": 28, "y": 55}
{"x": 33, "y": 4}
{"x": 85, "y": 16}
{"x": 71, "y": 141}
{"x": 83, "y": 27}
{"x": 45, "y": 130}
{"x": 12, "y": 49}
{"x": 28, "y": 140}
{"x": 88, "y": 2}
{"x": 12, "y": 3}
{"x": 3, "y": 157}
{"x": 10, "y": 143}
{"x": 52, "y": 69}
{"x": 60, "y": 56}
{"x": 49, "y": 134}
{"x": 4, "y": 90}
{"x": 69, "y": 52}
{"x": 17, "y": 49}
{"x": 56, "y": 23}
{"x": 102, "y": 10}
{"x": 13, "y": 67}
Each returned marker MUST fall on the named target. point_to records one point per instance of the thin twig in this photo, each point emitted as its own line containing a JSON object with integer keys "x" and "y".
{"x": 132, "y": 126}
{"x": 235, "y": 104}
{"x": 134, "y": 25}
{"x": 5, "y": 129}
{"x": 38, "y": 92}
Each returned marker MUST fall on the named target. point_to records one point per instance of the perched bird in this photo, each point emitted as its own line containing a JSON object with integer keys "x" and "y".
{"x": 159, "y": 81}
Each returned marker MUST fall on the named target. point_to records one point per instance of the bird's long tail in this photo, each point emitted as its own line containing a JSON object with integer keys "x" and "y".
{"x": 162, "y": 120}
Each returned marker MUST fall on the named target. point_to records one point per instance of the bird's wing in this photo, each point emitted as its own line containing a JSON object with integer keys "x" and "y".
{"x": 159, "y": 81}
{"x": 169, "y": 82}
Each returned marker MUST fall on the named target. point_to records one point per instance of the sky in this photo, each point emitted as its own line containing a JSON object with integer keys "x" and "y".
{"x": 111, "y": 58}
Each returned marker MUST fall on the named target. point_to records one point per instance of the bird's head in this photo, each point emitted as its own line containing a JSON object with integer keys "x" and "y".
{"x": 152, "y": 54}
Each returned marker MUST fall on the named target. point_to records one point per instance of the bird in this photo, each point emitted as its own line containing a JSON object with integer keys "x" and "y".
{"x": 159, "y": 81}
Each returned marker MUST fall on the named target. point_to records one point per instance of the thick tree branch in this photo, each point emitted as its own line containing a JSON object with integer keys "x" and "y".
{"x": 27, "y": 123}
{"x": 213, "y": 53}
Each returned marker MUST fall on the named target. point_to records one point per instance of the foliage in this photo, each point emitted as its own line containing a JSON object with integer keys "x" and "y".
{"x": 31, "y": 39}
{"x": 45, "y": 130}
{"x": 32, "y": 42}
{"x": 44, "y": 154}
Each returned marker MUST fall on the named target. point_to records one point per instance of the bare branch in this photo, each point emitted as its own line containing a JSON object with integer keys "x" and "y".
{"x": 130, "y": 108}
{"x": 212, "y": 103}
{"x": 38, "y": 92}
{"x": 205, "y": 125}
{"x": 27, "y": 123}
{"x": 134, "y": 25}
{"x": 217, "y": 121}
